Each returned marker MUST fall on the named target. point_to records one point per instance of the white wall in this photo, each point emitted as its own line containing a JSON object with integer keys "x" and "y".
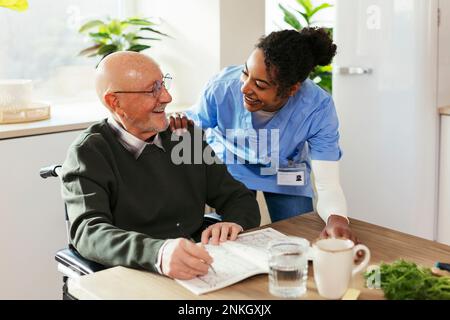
{"x": 241, "y": 25}
{"x": 206, "y": 36}
{"x": 191, "y": 56}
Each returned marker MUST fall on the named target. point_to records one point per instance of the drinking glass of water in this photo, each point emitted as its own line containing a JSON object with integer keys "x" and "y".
{"x": 288, "y": 267}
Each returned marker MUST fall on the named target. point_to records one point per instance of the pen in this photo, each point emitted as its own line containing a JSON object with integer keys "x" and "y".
{"x": 443, "y": 266}
{"x": 186, "y": 236}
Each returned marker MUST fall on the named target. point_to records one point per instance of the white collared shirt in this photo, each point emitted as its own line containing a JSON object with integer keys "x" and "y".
{"x": 133, "y": 144}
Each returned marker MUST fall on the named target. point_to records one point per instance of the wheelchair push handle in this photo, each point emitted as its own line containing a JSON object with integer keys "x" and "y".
{"x": 50, "y": 171}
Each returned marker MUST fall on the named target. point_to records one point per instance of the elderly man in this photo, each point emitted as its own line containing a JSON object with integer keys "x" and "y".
{"x": 128, "y": 203}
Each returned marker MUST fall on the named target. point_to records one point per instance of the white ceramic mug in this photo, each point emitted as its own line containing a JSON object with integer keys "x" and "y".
{"x": 333, "y": 261}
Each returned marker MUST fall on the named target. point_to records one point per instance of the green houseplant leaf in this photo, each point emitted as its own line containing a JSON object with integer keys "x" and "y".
{"x": 145, "y": 38}
{"x": 89, "y": 51}
{"x": 140, "y": 22}
{"x": 100, "y": 35}
{"x": 138, "y": 47}
{"x": 322, "y": 75}
{"x": 321, "y": 7}
{"x": 155, "y": 31}
{"x": 111, "y": 35}
{"x": 306, "y": 5}
{"x": 107, "y": 49}
{"x": 90, "y": 24}
{"x": 290, "y": 18}
{"x": 115, "y": 27}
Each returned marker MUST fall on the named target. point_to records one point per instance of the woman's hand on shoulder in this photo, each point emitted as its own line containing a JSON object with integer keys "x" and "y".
{"x": 179, "y": 121}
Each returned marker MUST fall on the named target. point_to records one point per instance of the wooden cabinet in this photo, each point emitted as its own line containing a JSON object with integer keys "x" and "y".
{"x": 31, "y": 216}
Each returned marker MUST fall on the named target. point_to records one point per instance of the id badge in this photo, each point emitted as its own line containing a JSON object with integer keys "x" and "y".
{"x": 292, "y": 175}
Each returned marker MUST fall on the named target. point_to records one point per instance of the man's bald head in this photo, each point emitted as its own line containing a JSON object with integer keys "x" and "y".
{"x": 124, "y": 71}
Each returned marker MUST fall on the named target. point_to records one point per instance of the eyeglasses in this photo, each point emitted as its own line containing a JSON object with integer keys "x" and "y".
{"x": 157, "y": 87}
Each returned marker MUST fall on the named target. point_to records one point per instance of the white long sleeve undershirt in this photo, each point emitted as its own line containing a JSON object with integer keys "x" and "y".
{"x": 330, "y": 196}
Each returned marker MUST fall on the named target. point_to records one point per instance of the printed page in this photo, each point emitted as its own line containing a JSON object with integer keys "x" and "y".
{"x": 259, "y": 239}
{"x": 235, "y": 261}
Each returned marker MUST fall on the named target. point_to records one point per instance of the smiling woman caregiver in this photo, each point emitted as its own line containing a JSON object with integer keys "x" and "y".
{"x": 272, "y": 91}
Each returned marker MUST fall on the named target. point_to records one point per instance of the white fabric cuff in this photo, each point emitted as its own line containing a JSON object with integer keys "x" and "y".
{"x": 330, "y": 197}
{"x": 158, "y": 264}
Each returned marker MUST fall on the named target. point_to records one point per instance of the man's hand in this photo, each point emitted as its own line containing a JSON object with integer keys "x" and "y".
{"x": 179, "y": 122}
{"x": 183, "y": 259}
{"x": 221, "y": 232}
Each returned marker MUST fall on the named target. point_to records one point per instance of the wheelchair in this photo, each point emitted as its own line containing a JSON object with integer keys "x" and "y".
{"x": 70, "y": 263}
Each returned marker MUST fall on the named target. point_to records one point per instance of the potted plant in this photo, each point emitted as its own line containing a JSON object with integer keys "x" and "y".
{"x": 298, "y": 19}
{"x": 111, "y": 35}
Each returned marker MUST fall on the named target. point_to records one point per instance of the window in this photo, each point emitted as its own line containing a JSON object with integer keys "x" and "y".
{"x": 43, "y": 42}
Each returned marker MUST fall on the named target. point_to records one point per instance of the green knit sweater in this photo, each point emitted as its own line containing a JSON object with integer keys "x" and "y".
{"x": 122, "y": 209}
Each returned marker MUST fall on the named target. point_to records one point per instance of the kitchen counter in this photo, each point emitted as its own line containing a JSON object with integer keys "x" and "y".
{"x": 64, "y": 117}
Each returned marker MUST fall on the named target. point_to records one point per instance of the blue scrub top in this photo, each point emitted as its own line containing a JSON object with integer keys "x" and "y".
{"x": 307, "y": 128}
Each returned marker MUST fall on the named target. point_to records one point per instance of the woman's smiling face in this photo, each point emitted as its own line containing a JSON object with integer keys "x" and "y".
{"x": 258, "y": 87}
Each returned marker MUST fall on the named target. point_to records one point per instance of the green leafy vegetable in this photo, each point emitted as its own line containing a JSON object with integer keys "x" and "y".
{"x": 402, "y": 280}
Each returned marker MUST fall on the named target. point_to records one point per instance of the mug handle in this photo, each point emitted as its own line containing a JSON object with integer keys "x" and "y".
{"x": 358, "y": 268}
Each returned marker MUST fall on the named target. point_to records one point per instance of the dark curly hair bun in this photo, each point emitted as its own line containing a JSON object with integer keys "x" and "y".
{"x": 322, "y": 46}
{"x": 290, "y": 55}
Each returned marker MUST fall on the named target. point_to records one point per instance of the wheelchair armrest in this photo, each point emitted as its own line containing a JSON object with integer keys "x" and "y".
{"x": 70, "y": 258}
{"x": 50, "y": 171}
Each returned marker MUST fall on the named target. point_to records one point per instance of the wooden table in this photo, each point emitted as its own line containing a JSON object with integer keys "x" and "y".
{"x": 386, "y": 245}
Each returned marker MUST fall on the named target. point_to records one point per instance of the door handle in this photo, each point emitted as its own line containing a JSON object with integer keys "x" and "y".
{"x": 354, "y": 70}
